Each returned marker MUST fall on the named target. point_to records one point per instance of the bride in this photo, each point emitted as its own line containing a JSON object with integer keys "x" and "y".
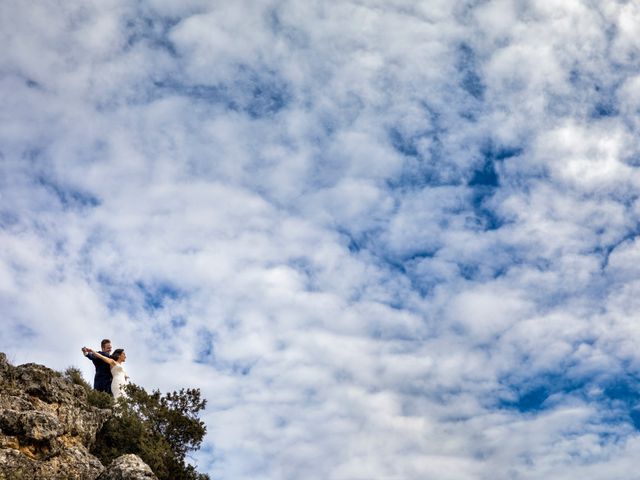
{"x": 120, "y": 377}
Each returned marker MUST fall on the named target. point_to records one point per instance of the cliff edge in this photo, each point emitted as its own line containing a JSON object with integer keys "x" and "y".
{"x": 47, "y": 428}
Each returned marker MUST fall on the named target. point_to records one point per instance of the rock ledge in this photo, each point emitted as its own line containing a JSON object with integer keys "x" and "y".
{"x": 47, "y": 428}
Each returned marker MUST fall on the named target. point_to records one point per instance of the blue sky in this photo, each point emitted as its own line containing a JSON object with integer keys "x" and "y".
{"x": 387, "y": 239}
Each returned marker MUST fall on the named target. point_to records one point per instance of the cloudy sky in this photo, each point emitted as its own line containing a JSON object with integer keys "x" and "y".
{"x": 387, "y": 239}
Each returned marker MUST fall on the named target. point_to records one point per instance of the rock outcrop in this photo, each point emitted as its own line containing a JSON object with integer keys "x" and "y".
{"x": 47, "y": 428}
{"x": 128, "y": 467}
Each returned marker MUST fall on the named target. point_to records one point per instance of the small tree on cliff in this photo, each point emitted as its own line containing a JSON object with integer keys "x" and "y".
{"x": 161, "y": 429}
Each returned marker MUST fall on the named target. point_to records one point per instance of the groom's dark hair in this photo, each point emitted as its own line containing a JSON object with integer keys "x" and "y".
{"x": 104, "y": 342}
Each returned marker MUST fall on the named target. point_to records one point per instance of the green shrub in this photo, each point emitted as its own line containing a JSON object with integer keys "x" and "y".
{"x": 94, "y": 397}
{"x": 161, "y": 429}
{"x": 74, "y": 375}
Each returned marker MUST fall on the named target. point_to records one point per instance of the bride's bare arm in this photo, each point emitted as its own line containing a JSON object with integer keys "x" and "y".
{"x": 110, "y": 361}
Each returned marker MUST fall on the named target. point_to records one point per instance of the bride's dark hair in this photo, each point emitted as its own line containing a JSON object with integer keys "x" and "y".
{"x": 116, "y": 353}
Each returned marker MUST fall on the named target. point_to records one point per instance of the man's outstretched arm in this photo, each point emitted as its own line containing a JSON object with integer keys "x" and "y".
{"x": 87, "y": 353}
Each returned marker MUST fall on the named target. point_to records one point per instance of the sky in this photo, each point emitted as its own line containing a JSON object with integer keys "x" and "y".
{"x": 387, "y": 239}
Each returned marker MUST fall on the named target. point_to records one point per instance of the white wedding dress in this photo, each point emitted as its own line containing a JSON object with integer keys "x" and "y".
{"x": 120, "y": 379}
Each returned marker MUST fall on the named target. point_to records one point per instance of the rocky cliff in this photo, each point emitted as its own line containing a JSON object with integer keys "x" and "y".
{"x": 47, "y": 428}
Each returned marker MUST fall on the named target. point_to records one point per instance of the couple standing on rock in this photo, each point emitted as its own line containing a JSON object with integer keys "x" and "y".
{"x": 111, "y": 376}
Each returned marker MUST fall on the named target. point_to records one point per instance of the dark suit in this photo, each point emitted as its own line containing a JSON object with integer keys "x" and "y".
{"x": 102, "y": 380}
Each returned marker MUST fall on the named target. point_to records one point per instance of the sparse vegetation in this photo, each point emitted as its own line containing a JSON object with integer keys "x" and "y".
{"x": 160, "y": 428}
{"x": 94, "y": 397}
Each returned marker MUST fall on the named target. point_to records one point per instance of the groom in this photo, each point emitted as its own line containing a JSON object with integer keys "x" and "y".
{"x": 102, "y": 379}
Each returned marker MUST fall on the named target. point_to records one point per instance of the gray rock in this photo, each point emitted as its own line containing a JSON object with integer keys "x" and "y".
{"x": 32, "y": 424}
{"x": 72, "y": 463}
{"x": 47, "y": 428}
{"x": 46, "y": 425}
{"x": 128, "y": 467}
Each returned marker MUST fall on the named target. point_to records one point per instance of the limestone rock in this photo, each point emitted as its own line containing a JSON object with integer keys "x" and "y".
{"x": 73, "y": 463}
{"x": 47, "y": 428}
{"x": 31, "y": 424}
{"x": 46, "y": 425}
{"x": 128, "y": 467}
